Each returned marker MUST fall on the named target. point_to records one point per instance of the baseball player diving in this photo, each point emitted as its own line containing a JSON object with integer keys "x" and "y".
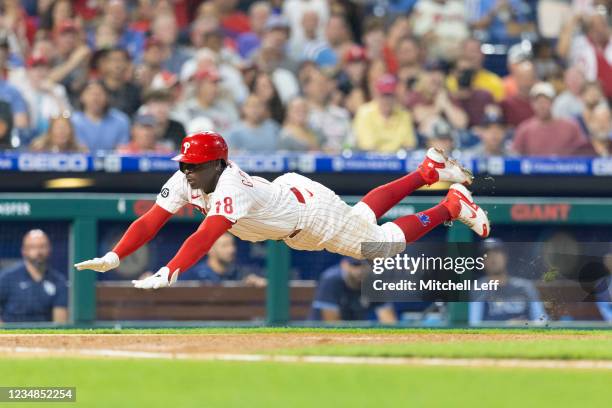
{"x": 303, "y": 213}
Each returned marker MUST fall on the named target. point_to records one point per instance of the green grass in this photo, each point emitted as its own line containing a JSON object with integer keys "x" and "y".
{"x": 154, "y": 383}
{"x": 589, "y": 348}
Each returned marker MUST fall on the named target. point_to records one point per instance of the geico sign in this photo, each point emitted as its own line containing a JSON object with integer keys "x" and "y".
{"x": 52, "y": 162}
{"x": 540, "y": 212}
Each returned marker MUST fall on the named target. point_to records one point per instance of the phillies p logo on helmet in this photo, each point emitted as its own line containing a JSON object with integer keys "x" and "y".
{"x": 185, "y": 147}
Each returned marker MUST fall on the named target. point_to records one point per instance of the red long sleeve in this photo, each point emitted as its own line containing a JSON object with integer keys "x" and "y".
{"x": 198, "y": 244}
{"x": 141, "y": 231}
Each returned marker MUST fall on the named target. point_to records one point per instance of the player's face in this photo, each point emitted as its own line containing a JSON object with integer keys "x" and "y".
{"x": 201, "y": 176}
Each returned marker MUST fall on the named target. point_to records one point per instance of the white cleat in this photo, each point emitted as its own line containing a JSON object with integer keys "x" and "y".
{"x": 466, "y": 210}
{"x": 447, "y": 169}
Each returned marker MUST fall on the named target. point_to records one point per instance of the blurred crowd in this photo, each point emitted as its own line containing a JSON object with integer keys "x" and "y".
{"x": 308, "y": 75}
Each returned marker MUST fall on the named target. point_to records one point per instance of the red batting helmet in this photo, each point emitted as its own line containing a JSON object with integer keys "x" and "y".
{"x": 202, "y": 147}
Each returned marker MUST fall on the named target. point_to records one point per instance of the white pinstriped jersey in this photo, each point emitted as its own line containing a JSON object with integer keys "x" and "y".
{"x": 261, "y": 210}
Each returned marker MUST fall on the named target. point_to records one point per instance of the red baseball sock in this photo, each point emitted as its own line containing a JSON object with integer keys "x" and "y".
{"x": 416, "y": 225}
{"x": 382, "y": 198}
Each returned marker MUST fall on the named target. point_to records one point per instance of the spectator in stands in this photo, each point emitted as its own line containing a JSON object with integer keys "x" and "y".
{"x": 70, "y": 63}
{"x": 44, "y": 98}
{"x": 383, "y": 125}
{"x": 32, "y": 291}
{"x": 592, "y": 51}
{"x": 482, "y": 78}
{"x": 399, "y": 29}
{"x": 8, "y": 93}
{"x": 352, "y": 79}
{"x": 6, "y": 126}
{"x": 517, "y": 54}
{"x": 115, "y": 69}
{"x": 220, "y": 266}
{"x": 442, "y": 25}
{"x": 295, "y": 134}
{"x": 313, "y": 47}
{"x": 515, "y": 299}
{"x": 53, "y": 15}
{"x": 409, "y": 60}
{"x": 604, "y": 295}
{"x": 332, "y": 122}
{"x": 151, "y": 65}
{"x": 517, "y": 108}
{"x": 600, "y": 130}
{"x": 59, "y": 138}
{"x": 294, "y": 11}
{"x": 144, "y": 139}
{"x": 116, "y": 16}
{"x": 255, "y": 133}
{"x": 492, "y": 135}
{"x": 165, "y": 30}
{"x": 273, "y": 59}
{"x": 105, "y": 37}
{"x": 208, "y": 101}
{"x": 98, "y": 126}
{"x": 591, "y": 96}
{"x": 159, "y": 103}
{"x": 430, "y": 101}
{"x": 543, "y": 135}
{"x": 233, "y": 21}
{"x": 441, "y": 136}
{"x": 338, "y": 35}
{"x": 262, "y": 86}
{"x": 374, "y": 40}
{"x": 249, "y": 42}
{"x": 500, "y": 21}
{"x": 338, "y": 296}
{"x": 568, "y": 104}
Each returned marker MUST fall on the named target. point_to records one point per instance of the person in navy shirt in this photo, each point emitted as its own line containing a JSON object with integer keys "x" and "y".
{"x": 516, "y": 298}
{"x": 220, "y": 266}
{"x": 338, "y": 295}
{"x": 98, "y": 126}
{"x": 30, "y": 291}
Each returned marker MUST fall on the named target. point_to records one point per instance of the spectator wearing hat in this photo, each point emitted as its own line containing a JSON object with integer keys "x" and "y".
{"x": 249, "y": 42}
{"x": 492, "y": 136}
{"x": 123, "y": 93}
{"x": 543, "y": 135}
{"x": 430, "y": 101}
{"x": 442, "y": 25}
{"x": 59, "y": 137}
{"x": 158, "y": 102}
{"x": 72, "y": 55}
{"x": 330, "y": 121}
{"x": 568, "y": 104}
{"x": 473, "y": 58}
{"x": 383, "y": 125}
{"x": 441, "y": 136}
{"x": 352, "y": 81}
{"x": 517, "y": 54}
{"x": 515, "y": 299}
{"x": 255, "y": 133}
{"x": 10, "y": 94}
{"x": 517, "y": 108}
{"x": 296, "y": 135}
{"x": 45, "y": 99}
{"x": 208, "y": 101}
{"x": 98, "y": 126}
{"x": 338, "y": 295}
{"x": 144, "y": 138}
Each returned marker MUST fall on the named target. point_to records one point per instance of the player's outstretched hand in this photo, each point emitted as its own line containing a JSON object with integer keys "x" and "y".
{"x": 106, "y": 263}
{"x": 159, "y": 280}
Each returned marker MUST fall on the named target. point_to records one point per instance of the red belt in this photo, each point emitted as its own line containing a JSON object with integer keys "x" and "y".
{"x": 301, "y": 200}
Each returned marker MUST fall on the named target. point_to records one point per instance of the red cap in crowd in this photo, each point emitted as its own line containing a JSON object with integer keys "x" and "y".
{"x": 386, "y": 84}
{"x": 210, "y": 74}
{"x": 67, "y": 26}
{"x": 37, "y": 60}
{"x": 355, "y": 54}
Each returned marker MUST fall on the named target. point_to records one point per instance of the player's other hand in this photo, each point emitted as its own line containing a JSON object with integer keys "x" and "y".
{"x": 106, "y": 263}
{"x": 161, "y": 279}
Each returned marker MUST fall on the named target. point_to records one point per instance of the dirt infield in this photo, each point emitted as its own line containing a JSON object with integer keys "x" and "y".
{"x": 243, "y": 343}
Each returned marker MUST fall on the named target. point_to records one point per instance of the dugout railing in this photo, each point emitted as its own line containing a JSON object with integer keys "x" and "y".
{"x": 84, "y": 213}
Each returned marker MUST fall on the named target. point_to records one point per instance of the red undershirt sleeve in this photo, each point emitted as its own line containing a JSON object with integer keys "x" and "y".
{"x": 198, "y": 244}
{"x": 142, "y": 231}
